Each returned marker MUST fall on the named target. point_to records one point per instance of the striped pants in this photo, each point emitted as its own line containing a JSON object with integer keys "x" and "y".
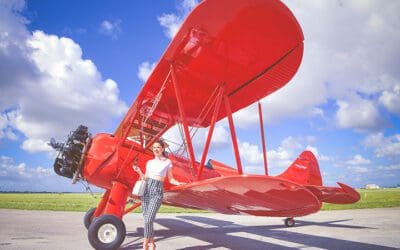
{"x": 151, "y": 202}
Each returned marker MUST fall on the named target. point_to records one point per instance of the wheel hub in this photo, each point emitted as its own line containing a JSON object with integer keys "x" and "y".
{"x": 107, "y": 233}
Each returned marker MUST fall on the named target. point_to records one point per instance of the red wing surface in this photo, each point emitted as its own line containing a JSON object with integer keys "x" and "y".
{"x": 250, "y": 48}
{"x": 255, "y": 195}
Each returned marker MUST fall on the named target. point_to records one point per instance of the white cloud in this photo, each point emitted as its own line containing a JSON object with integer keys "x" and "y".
{"x": 337, "y": 62}
{"x": 311, "y": 139}
{"x": 277, "y": 159}
{"x": 285, "y": 154}
{"x": 36, "y": 145}
{"x": 290, "y": 148}
{"x": 49, "y": 89}
{"x": 145, "y": 69}
{"x": 220, "y": 140}
{"x": 250, "y": 153}
{"x": 188, "y": 5}
{"x": 111, "y": 28}
{"x": 394, "y": 167}
{"x": 8, "y": 168}
{"x": 317, "y": 155}
{"x": 384, "y": 146}
{"x": 15, "y": 65}
{"x": 247, "y": 117}
{"x": 6, "y": 122}
{"x": 359, "y": 114}
{"x": 220, "y": 136}
{"x": 22, "y": 177}
{"x": 172, "y": 22}
{"x": 391, "y": 99}
{"x": 358, "y": 169}
{"x": 291, "y": 144}
{"x": 358, "y": 160}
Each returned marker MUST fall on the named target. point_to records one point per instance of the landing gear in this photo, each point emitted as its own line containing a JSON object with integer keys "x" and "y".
{"x": 289, "y": 222}
{"x": 87, "y": 220}
{"x": 106, "y": 232}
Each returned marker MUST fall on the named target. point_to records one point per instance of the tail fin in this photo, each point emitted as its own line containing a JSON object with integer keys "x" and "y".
{"x": 304, "y": 170}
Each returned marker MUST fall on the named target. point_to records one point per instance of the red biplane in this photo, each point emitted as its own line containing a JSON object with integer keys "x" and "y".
{"x": 227, "y": 55}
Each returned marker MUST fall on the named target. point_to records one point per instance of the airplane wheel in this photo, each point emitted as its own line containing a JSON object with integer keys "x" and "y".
{"x": 106, "y": 232}
{"x": 87, "y": 220}
{"x": 289, "y": 222}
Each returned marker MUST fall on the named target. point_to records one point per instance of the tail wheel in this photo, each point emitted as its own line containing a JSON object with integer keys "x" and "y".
{"x": 289, "y": 222}
{"x": 106, "y": 232}
{"x": 87, "y": 220}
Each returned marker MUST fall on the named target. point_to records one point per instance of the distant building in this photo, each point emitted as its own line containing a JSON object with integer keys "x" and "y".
{"x": 372, "y": 186}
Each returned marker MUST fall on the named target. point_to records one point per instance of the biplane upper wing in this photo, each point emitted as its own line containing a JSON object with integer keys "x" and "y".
{"x": 244, "y": 50}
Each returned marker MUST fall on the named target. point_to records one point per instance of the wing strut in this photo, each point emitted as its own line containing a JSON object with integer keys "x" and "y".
{"x": 219, "y": 97}
{"x": 183, "y": 116}
{"x": 263, "y": 138}
{"x": 233, "y": 134}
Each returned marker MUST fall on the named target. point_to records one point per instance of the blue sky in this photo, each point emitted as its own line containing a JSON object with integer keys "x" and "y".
{"x": 65, "y": 63}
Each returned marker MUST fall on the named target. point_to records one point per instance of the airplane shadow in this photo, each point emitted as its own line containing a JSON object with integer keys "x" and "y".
{"x": 224, "y": 234}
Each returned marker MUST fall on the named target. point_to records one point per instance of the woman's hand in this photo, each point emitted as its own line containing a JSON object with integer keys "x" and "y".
{"x": 172, "y": 180}
{"x": 137, "y": 170}
{"x": 177, "y": 183}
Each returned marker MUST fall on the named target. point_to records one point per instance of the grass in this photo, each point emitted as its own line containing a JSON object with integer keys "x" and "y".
{"x": 371, "y": 198}
{"x": 82, "y": 202}
{"x": 49, "y": 201}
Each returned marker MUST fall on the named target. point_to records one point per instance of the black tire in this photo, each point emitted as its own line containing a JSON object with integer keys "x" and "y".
{"x": 289, "y": 222}
{"x": 87, "y": 220}
{"x": 106, "y": 232}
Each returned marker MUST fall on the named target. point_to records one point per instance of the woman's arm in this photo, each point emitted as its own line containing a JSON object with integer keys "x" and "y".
{"x": 171, "y": 178}
{"x": 139, "y": 171}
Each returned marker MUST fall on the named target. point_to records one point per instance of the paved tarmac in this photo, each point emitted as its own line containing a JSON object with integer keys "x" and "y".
{"x": 344, "y": 229}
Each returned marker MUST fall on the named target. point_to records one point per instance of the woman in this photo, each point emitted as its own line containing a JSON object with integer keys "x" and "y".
{"x": 157, "y": 170}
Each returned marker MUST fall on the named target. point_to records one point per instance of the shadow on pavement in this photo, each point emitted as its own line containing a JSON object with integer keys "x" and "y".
{"x": 221, "y": 233}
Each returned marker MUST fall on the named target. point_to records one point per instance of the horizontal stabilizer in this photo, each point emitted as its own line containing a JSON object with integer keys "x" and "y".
{"x": 336, "y": 195}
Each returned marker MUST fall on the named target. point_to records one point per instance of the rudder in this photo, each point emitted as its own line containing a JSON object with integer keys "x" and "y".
{"x": 304, "y": 170}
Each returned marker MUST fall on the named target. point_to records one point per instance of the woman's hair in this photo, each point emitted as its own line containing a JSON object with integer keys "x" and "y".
{"x": 163, "y": 145}
{"x": 161, "y": 142}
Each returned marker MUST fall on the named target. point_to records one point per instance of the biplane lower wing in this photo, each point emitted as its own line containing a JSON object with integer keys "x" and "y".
{"x": 255, "y": 195}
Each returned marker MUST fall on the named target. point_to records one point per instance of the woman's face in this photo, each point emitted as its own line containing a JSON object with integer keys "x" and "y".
{"x": 158, "y": 149}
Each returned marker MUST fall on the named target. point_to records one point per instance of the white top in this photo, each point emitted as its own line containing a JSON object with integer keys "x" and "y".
{"x": 158, "y": 167}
